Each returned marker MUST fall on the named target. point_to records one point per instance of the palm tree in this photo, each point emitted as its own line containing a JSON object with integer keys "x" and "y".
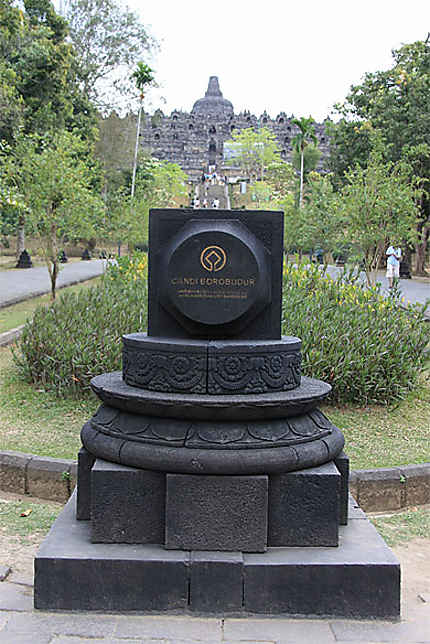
{"x": 300, "y": 141}
{"x": 143, "y": 77}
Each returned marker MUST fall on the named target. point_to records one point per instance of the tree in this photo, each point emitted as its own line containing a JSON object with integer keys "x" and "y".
{"x": 378, "y": 204}
{"x": 311, "y": 157}
{"x": 159, "y": 184}
{"x": 300, "y": 142}
{"x": 256, "y": 150}
{"x": 108, "y": 39}
{"x": 38, "y": 83}
{"x": 394, "y": 102}
{"x": 320, "y": 223}
{"x": 143, "y": 77}
{"x": 55, "y": 182}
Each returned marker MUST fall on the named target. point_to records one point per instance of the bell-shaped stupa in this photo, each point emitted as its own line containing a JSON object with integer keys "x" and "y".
{"x": 213, "y": 103}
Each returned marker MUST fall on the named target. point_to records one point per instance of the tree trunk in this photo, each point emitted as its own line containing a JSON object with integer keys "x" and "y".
{"x": 54, "y": 274}
{"x": 20, "y": 239}
{"x": 301, "y": 179}
{"x": 136, "y": 149}
{"x": 420, "y": 252}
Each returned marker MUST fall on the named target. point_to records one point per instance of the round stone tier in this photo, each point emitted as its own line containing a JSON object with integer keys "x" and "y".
{"x": 112, "y": 390}
{"x": 211, "y": 434}
{"x": 211, "y": 367}
{"x": 199, "y": 447}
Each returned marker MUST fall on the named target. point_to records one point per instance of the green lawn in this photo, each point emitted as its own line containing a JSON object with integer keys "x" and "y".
{"x": 404, "y": 526}
{"x": 379, "y": 436}
{"x": 15, "y": 315}
{"x": 36, "y": 422}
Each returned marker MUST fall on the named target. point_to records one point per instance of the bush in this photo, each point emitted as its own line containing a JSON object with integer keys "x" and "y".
{"x": 369, "y": 348}
{"x": 79, "y": 336}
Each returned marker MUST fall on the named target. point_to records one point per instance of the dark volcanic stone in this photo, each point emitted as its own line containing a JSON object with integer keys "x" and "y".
{"x": 216, "y": 276}
{"x": 127, "y": 504}
{"x": 342, "y": 463}
{"x": 216, "y": 583}
{"x": 359, "y": 579}
{"x": 205, "y": 366}
{"x": 112, "y": 390}
{"x": 71, "y": 573}
{"x": 212, "y": 459}
{"x": 304, "y": 507}
{"x": 161, "y": 364}
{"x": 24, "y": 260}
{"x": 83, "y": 500}
{"x": 216, "y": 512}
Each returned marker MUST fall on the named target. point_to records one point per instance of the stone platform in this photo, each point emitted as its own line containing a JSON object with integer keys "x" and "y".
{"x": 358, "y": 579}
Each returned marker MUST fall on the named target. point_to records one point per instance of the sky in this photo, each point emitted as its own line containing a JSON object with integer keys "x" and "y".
{"x": 274, "y": 55}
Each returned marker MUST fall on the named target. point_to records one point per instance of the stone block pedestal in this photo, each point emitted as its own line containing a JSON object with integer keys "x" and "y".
{"x": 207, "y": 512}
{"x": 358, "y": 579}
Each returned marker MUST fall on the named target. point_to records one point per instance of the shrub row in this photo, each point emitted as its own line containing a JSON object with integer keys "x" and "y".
{"x": 79, "y": 336}
{"x": 368, "y": 347}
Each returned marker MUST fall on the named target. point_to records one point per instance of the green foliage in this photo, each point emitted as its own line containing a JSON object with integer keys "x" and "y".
{"x": 318, "y": 223}
{"x": 378, "y": 205}
{"x": 55, "y": 179}
{"x": 257, "y": 150}
{"x": 38, "y": 83}
{"x": 159, "y": 184}
{"x": 311, "y": 156}
{"x": 142, "y": 76}
{"x": 396, "y": 103}
{"x": 79, "y": 336}
{"x": 368, "y": 348}
{"x": 107, "y": 37}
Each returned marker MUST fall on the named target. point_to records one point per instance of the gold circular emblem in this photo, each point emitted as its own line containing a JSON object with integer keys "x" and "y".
{"x": 213, "y": 258}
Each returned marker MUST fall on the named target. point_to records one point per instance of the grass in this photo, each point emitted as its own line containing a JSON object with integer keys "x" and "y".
{"x": 37, "y": 422}
{"x": 27, "y": 518}
{"x": 378, "y": 436}
{"x": 15, "y": 315}
{"x": 404, "y": 526}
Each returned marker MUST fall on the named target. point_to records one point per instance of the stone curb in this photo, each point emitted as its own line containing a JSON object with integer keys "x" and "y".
{"x": 52, "y": 479}
{"x": 8, "y": 337}
{"x": 379, "y": 490}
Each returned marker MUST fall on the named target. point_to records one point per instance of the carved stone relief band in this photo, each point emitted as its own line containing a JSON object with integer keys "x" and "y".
{"x": 222, "y": 367}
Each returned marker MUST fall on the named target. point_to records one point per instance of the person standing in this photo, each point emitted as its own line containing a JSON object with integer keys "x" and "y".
{"x": 394, "y": 255}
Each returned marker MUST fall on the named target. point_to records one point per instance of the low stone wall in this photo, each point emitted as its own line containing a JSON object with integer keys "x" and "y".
{"x": 391, "y": 488}
{"x": 384, "y": 489}
{"x": 47, "y": 478}
{"x": 8, "y": 337}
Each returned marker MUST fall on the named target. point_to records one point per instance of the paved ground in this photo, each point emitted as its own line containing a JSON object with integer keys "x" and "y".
{"x": 413, "y": 290}
{"x": 20, "y": 624}
{"x": 22, "y": 283}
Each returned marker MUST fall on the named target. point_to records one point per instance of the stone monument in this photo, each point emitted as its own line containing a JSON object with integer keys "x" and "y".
{"x": 24, "y": 260}
{"x": 208, "y": 478}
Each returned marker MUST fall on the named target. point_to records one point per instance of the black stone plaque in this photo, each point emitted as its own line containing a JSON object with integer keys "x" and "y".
{"x": 217, "y": 277}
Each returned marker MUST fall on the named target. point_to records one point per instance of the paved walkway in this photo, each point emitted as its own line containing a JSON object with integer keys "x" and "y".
{"x": 20, "y": 624}
{"x": 22, "y": 283}
{"x": 416, "y": 290}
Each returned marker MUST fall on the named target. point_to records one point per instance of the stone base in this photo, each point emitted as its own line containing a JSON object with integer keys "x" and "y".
{"x": 359, "y": 579}
{"x": 191, "y": 512}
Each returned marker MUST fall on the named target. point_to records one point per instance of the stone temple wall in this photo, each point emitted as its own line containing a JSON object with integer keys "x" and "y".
{"x": 195, "y": 140}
